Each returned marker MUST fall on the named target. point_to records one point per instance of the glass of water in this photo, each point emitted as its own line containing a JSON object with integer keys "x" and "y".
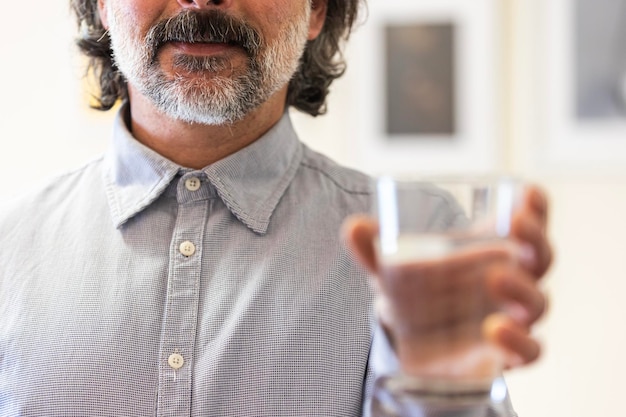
{"x": 437, "y": 238}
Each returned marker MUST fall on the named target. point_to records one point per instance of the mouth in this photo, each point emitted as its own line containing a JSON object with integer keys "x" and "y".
{"x": 206, "y": 48}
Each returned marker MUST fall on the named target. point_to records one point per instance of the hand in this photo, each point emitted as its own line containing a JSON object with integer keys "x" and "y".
{"x": 510, "y": 276}
{"x": 529, "y": 229}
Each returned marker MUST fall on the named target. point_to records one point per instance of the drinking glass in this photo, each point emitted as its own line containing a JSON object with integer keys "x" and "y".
{"x": 437, "y": 238}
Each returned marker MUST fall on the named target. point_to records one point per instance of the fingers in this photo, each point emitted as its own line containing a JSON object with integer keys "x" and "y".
{"x": 517, "y": 290}
{"x": 536, "y": 200}
{"x": 529, "y": 226}
{"x": 514, "y": 338}
{"x": 427, "y": 295}
{"x": 359, "y": 232}
{"x": 512, "y": 286}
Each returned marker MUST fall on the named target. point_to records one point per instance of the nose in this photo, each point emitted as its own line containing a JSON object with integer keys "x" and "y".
{"x": 205, "y": 4}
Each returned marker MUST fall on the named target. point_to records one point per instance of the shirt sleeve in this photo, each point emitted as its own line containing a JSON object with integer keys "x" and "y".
{"x": 384, "y": 362}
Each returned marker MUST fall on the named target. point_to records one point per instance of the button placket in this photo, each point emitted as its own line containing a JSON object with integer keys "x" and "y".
{"x": 181, "y": 312}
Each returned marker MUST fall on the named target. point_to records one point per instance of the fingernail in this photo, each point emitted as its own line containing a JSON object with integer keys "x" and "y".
{"x": 518, "y": 313}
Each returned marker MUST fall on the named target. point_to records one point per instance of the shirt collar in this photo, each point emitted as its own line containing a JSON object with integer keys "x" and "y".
{"x": 250, "y": 182}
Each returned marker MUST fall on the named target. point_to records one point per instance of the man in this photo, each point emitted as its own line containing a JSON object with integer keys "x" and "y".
{"x": 196, "y": 269}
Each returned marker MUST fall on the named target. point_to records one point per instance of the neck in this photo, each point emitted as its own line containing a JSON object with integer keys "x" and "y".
{"x": 195, "y": 145}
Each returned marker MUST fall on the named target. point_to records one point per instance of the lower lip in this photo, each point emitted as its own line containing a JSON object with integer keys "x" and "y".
{"x": 204, "y": 49}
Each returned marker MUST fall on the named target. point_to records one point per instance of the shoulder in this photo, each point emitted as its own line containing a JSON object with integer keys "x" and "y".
{"x": 38, "y": 203}
{"x": 328, "y": 172}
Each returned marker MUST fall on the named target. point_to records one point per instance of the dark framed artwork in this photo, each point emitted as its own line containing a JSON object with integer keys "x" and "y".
{"x": 420, "y": 79}
{"x": 600, "y": 59}
{"x": 427, "y": 88}
{"x": 582, "y": 64}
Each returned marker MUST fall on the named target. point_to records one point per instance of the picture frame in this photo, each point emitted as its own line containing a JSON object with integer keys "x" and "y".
{"x": 470, "y": 140}
{"x": 577, "y": 128}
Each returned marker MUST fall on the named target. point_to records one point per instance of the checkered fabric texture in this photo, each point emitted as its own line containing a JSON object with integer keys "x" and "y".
{"x": 134, "y": 287}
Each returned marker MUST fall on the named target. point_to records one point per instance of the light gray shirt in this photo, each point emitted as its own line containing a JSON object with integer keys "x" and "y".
{"x": 136, "y": 287}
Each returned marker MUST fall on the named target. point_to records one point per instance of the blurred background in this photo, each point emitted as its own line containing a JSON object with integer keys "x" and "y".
{"x": 533, "y": 88}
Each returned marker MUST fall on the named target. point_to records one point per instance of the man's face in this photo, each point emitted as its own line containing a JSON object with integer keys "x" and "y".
{"x": 209, "y": 63}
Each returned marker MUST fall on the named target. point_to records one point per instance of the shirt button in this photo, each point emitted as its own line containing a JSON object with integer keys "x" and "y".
{"x": 176, "y": 360}
{"x": 193, "y": 184}
{"x": 187, "y": 248}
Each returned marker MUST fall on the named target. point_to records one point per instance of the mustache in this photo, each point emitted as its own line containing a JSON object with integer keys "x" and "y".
{"x": 210, "y": 26}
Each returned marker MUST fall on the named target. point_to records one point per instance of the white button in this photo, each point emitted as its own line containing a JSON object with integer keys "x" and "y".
{"x": 176, "y": 361}
{"x": 187, "y": 248}
{"x": 193, "y": 184}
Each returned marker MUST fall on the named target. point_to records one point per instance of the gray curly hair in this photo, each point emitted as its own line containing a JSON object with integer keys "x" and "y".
{"x": 321, "y": 63}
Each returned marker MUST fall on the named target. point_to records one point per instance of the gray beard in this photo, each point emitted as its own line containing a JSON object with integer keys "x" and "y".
{"x": 207, "y": 98}
{"x": 192, "y": 101}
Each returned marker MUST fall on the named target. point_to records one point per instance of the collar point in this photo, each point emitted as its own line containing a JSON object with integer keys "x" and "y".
{"x": 260, "y": 228}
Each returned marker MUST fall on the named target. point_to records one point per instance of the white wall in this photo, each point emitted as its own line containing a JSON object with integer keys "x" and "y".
{"x": 579, "y": 373}
{"x": 45, "y": 128}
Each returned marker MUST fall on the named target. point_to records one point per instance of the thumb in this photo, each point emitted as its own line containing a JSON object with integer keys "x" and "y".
{"x": 359, "y": 232}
